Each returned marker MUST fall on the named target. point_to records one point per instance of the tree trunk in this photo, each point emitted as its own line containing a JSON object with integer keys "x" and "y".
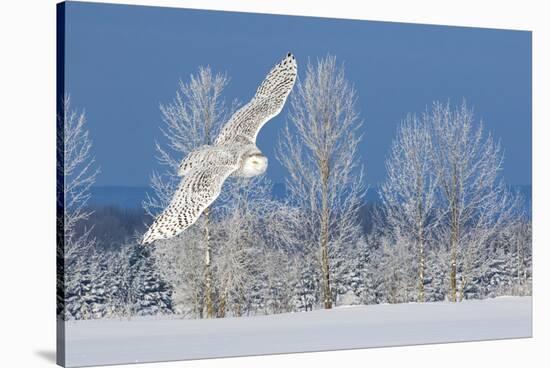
{"x": 454, "y": 239}
{"x": 222, "y": 305}
{"x": 327, "y": 294}
{"x": 421, "y": 266}
{"x": 325, "y": 270}
{"x": 198, "y": 305}
{"x": 207, "y": 269}
{"x": 420, "y": 228}
{"x": 239, "y": 306}
{"x": 462, "y": 287}
{"x": 454, "y": 196}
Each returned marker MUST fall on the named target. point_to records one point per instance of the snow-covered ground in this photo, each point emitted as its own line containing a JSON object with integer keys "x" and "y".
{"x": 149, "y": 339}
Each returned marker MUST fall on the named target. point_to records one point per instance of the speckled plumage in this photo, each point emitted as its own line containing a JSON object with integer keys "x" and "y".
{"x": 234, "y": 153}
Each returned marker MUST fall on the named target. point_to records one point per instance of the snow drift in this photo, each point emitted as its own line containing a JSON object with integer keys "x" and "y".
{"x": 147, "y": 339}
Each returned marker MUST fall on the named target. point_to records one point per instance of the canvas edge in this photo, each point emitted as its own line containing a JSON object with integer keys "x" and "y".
{"x": 60, "y": 197}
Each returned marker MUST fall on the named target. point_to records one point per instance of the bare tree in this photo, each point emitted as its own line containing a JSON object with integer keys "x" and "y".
{"x": 250, "y": 223}
{"x": 325, "y": 175}
{"x": 409, "y": 192}
{"x": 472, "y": 194}
{"x": 192, "y": 119}
{"x": 444, "y": 188}
{"x": 240, "y": 242}
{"x": 78, "y": 172}
{"x": 282, "y": 272}
{"x": 503, "y": 263}
{"x": 396, "y": 266}
{"x": 180, "y": 262}
{"x": 520, "y": 237}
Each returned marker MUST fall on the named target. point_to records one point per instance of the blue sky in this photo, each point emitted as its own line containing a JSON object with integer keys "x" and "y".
{"x": 123, "y": 61}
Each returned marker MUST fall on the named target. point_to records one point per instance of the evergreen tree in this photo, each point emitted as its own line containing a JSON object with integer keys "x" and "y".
{"x": 150, "y": 294}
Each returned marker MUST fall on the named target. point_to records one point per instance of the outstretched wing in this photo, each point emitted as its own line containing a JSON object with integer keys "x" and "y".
{"x": 197, "y": 190}
{"x": 244, "y": 125}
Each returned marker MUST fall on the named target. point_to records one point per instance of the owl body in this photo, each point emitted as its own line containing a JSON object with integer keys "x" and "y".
{"x": 247, "y": 158}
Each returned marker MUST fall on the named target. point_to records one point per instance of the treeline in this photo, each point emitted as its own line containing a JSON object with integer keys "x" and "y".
{"x": 252, "y": 277}
{"x": 446, "y": 227}
{"x": 116, "y": 283}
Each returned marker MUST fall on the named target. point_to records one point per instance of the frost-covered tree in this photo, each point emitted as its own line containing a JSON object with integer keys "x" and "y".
{"x": 409, "y": 194}
{"x": 250, "y": 224}
{"x": 368, "y": 280}
{"x": 76, "y": 173}
{"x": 503, "y": 266}
{"x": 397, "y": 267}
{"x": 240, "y": 242}
{"x": 119, "y": 288}
{"x": 118, "y": 283}
{"x": 150, "y": 294}
{"x": 325, "y": 177}
{"x": 192, "y": 119}
{"x": 280, "y": 292}
{"x": 472, "y": 194}
{"x": 180, "y": 262}
{"x": 446, "y": 217}
{"x": 437, "y": 273}
{"x": 86, "y": 296}
{"x": 520, "y": 238}
{"x": 247, "y": 226}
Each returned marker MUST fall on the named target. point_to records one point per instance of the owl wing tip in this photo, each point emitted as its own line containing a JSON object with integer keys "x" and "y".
{"x": 148, "y": 238}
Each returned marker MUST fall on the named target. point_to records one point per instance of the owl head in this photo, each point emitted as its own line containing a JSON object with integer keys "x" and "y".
{"x": 253, "y": 163}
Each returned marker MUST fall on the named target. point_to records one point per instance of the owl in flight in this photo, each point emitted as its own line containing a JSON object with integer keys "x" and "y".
{"x": 234, "y": 153}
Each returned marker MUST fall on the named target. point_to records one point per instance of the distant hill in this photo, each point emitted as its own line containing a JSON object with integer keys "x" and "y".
{"x": 118, "y": 215}
{"x": 131, "y": 197}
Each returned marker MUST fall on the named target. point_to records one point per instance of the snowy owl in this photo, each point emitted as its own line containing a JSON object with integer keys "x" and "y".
{"x": 234, "y": 153}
